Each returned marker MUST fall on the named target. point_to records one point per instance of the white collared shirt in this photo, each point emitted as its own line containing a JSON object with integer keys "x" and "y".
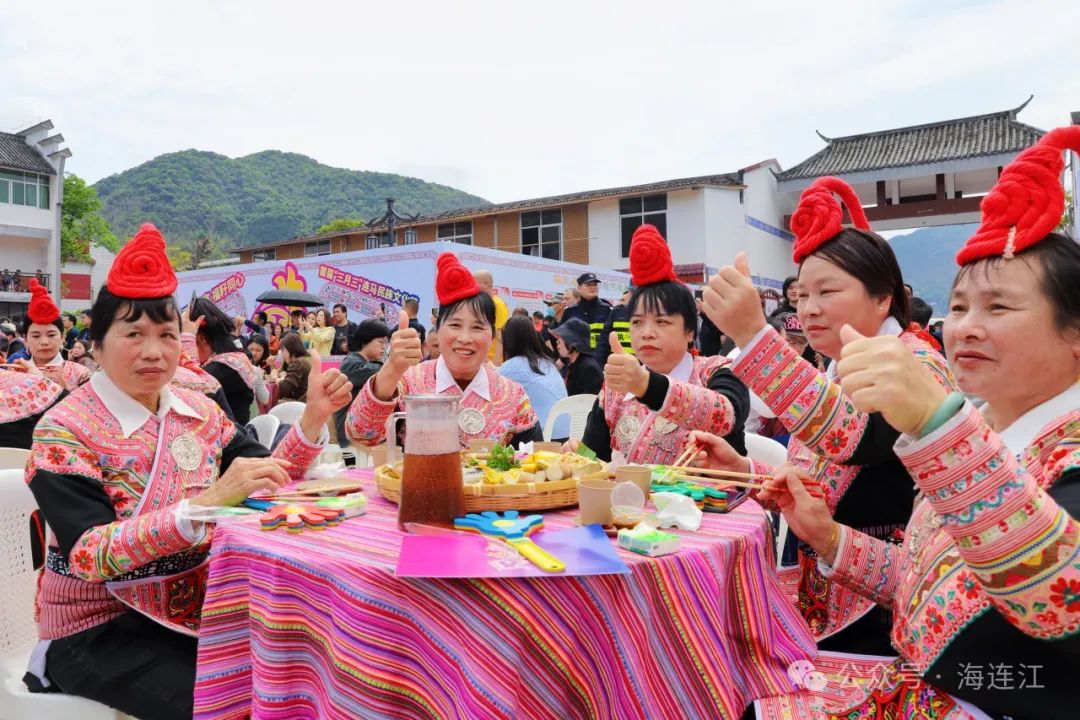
{"x": 680, "y": 373}
{"x": 444, "y": 380}
{"x": 129, "y": 412}
{"x": 1021, "y": 433}
{"x": 57, "y": 360}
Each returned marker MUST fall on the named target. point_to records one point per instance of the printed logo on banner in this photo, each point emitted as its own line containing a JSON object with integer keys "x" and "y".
{"x": 226, "y": 295}
{"x": 360, "y": 293}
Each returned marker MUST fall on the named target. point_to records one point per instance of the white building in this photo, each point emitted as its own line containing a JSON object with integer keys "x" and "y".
{"x": 706, "y": 221}
{"x": 31, "y": 194}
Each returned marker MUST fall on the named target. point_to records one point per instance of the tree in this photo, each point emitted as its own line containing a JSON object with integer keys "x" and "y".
{"x": 81, "y": 222}
{"x": 345, "y": 223}
{"x": 180, "y": 259}
{"x": 1065, "y": 224}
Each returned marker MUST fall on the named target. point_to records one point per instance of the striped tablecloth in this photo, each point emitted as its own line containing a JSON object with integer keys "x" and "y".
{"x": 316, "y": 625}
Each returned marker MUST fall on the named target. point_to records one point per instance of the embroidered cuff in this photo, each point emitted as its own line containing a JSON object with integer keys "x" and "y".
{"x": 935, "y": 459}
{"x": 366, "y": 419}
{"x": 299, "y": 451}
{"x": 771, "y": 369}
{"x": 751, "y": 346}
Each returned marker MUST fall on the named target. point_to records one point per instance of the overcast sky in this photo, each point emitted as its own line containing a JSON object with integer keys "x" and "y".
{"x": 510, "y": 101}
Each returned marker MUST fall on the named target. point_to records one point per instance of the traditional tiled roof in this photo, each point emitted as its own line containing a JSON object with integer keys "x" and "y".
{"x": 996, "y": 133}
{"x": 722, "y": 180}
{"x": 17, "y": 154}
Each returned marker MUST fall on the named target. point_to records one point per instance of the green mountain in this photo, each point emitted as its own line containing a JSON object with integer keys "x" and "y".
{"x": 927, "y": 258}
{"x": 264, "y": 197}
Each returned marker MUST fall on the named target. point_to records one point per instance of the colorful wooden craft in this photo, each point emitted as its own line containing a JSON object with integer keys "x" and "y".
{"x": 297, "y": 517}
{"x": 511, "y": 528}
{"x": 707, "y": 498}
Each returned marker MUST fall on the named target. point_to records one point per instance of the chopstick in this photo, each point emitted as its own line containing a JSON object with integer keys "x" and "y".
{"x": 678, "y": 464}
{"x": 688, "y": 469}
{"x": 812, "y": 489}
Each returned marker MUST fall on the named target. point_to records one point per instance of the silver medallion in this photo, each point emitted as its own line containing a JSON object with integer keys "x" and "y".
{"x": 663, "y": 426}
{"x": 627, "y": 429}
{"x": 185, "y": 451}
{"x": 471, "y": 421}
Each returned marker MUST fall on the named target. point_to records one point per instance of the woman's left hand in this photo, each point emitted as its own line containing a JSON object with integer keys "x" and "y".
{"x": 732, "y": 302}
{"x": 327, "y": 392}
{"x": 880, "y": 374}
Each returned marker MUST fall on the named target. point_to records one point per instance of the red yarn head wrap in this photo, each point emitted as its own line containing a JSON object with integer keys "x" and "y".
{"x": 1027, "y": 202}
{"x": 42, "y": 310}
{"x": 650, "y": 257}
{"x": 819, "y": 216}
{"x": 141, "y": 268}
{"x": 453, "y": 281}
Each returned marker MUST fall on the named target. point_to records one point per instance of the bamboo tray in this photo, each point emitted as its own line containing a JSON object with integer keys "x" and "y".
{"x": 515, "y": 496}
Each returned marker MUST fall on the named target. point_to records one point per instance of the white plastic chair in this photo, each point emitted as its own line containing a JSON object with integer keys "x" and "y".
{"x": 766, "y": 450}
{"x": 13, "y": 458}
{"x": 266, "y": 426}
{"x": 288, "y": 412}
{"x": 18, "y": 633}
{"x": 578, "y": 407}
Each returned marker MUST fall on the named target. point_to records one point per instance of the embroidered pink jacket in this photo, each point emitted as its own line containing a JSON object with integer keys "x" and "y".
{"x": 508, "y": 413}
{"x": 23, "y": 395}
{"x": 75, "y": 374}
{"x": 79, "y": 451}
{"x": 826, "y": 430}
{"x": 985, "y": 535}
{"x": 662, "y": 436}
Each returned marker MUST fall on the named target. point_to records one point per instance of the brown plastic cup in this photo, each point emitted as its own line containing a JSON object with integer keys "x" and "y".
{"x": 637, "y": 474}
{"x": 594, "y": 501}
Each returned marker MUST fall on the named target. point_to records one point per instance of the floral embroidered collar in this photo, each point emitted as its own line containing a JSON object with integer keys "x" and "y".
{"x": 130, "y": 413}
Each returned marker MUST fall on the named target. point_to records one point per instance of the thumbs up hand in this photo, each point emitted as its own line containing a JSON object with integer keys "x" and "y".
{"x": 732, "y": 302}
{"x": 405, "y": 349}
{"x": 327, "y": 392}
{"x": 880, "y": 374}
{"x": 623, "y": 373}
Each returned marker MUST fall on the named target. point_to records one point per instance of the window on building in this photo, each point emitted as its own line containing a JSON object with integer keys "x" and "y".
{"x": 542, "y": 233}
{"x": 264, "y": 255}
{"x": 377, "y": 240}
{"x": 637, "y": 211}
{"x": 30, "y": 189}
{"x": 459, "y": 232}
{"x": 318, "y": 247}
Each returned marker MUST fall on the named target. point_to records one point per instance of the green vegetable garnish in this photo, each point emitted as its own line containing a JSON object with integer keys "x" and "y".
{"x": 501, "y": 458}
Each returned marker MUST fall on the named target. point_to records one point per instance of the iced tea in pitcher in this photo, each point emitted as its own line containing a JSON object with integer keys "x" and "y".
{"x": 432, "y": 492}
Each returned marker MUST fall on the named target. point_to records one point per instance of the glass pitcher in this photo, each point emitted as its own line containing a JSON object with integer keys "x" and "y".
{"x": 432, "y": 492}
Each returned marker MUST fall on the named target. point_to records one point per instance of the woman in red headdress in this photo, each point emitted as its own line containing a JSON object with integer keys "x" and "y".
{"x": 116, "y": 468}
{"x": 985, "y": 587}
{"x": 492, "y": 406}
{"x": 652, "y": 400}
{"x": 846, "y": 276}
{"x": 44, "y": 335}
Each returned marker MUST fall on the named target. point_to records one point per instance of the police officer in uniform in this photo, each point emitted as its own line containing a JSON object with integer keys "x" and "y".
{"x": 591, "y": 308}
{"x": 619, "y": 321}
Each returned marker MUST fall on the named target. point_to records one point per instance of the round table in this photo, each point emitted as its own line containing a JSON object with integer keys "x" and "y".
{"x": 316, "y": 625}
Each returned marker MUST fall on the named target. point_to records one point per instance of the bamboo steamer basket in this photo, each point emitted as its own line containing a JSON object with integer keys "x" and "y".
{"x": 516, "y": 496}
